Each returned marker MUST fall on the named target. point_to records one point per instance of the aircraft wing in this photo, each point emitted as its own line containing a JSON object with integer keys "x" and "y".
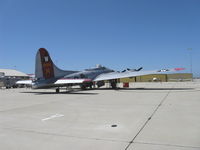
{"x": 117, "y": 75}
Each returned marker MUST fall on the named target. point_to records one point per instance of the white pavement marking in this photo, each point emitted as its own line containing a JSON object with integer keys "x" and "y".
{"x": 53, "y": 116}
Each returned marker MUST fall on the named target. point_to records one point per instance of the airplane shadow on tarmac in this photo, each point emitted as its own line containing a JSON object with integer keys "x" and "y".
{"x": 145, "y": 89}
{"x": 155, "y": 89}
{"x": 85, "y": 92}
{"x": 77, "y": 92}
{"x": 151, "y": 89}
{"x": 159, "y": 90}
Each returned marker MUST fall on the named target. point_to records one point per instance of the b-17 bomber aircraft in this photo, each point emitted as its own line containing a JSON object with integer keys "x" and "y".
{"x": 48, "y": 75}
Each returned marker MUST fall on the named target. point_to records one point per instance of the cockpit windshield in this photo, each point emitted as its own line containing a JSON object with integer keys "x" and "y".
{"x": 101, "y": 68}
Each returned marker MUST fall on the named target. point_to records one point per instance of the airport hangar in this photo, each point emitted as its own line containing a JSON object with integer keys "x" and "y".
{"x": 8, "y": 77}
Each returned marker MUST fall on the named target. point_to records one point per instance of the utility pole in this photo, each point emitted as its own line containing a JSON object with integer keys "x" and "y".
{"x": 190, "y": 52}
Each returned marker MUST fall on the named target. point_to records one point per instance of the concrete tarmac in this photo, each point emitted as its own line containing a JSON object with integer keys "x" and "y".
{"x": 147, "y": 116}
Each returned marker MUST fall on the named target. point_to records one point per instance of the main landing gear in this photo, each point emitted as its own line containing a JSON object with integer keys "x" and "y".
{"x": 57, "y": 90}
{"x": 113, "y": 83}
{"x": 85, "y": 86}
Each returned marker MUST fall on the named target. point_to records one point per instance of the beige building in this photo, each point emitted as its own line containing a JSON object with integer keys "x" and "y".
{"x": 13, "y": 73}
{"x": 160, "y": 78}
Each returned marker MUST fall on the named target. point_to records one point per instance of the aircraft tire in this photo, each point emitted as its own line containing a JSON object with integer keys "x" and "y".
{"x": 57, "y": 90}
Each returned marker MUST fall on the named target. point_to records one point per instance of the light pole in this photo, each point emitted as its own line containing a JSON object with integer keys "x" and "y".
{"x": 190, "y": 52}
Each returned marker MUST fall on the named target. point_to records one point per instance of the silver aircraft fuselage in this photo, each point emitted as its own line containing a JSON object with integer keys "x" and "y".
{"x": 85, "y": 74}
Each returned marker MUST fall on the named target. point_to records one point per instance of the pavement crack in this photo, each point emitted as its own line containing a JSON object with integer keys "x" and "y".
{"x": 149, "y": 118}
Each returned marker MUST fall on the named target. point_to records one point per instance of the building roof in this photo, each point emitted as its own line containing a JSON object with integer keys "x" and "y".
{"x": 14, "y": 73}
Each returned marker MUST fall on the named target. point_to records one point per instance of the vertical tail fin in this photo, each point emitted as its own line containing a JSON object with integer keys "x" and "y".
{"x": 44, "y": 65}
{"x": 45, "y": 68}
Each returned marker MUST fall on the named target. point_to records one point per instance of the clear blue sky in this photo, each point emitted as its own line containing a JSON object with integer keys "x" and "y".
{"x": 154, "y": 34}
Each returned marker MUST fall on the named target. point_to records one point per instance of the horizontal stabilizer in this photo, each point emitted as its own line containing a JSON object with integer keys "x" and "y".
{"x": 71, "y": 81}
{"x": 25, "y": 82}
